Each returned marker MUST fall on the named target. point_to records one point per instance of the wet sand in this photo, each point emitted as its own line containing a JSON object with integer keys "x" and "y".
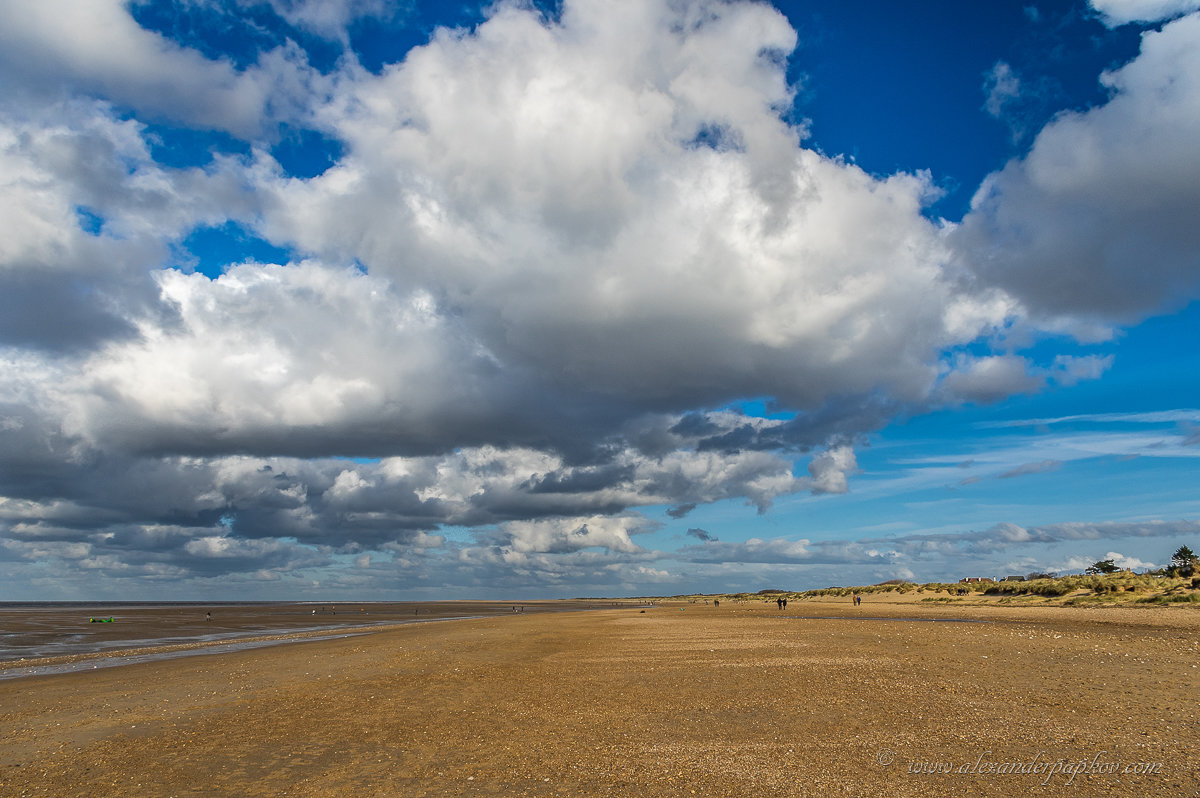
{"x": 683, "y": 699}
{"x": 62, "y": 633}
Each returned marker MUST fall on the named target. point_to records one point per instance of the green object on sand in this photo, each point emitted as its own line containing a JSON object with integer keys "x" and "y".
{"x": 100, "y": 620}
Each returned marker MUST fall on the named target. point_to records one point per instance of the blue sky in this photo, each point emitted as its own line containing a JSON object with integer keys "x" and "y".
{"x": 364, "y": 299}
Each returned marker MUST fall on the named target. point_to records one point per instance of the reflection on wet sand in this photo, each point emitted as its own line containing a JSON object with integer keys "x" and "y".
{"x": 55, "y": 638}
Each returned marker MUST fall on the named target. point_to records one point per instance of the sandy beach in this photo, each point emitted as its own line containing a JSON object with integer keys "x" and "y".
{"x": 682, "y": 699}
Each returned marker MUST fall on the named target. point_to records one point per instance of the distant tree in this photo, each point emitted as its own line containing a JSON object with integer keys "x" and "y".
{"x": 1103, "y": 567}
{"x": 1184, "y": 561}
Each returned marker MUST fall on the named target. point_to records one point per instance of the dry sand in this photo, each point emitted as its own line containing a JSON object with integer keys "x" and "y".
{"x": 684, "y": 699}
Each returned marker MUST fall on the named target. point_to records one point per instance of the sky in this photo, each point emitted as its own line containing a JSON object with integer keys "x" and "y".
{"x": 364, "y": 299}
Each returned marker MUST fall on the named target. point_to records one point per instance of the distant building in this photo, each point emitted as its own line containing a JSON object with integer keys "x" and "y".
{"x": 970, "y": 579}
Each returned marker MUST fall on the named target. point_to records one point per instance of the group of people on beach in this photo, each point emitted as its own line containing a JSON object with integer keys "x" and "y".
{"x": 781, "y": 602}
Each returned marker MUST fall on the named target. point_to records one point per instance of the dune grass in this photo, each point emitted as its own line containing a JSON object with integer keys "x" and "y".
{"x": 1120, "y": 589}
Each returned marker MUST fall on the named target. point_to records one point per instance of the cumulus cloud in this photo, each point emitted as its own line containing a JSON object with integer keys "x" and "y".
{"x": 1094, "y": 223}
{"x": 1132, "y": 563}
{"x": 988, "y": 379}
{"x": 566, "y": 535}
{"x": 89, "y": 216}
{"x": 97, "y": 46}
{"x": 1082, "y": 563}
{"x": 594, "y": 195}
{"x": 1121, "y": 12}
{"x": 519, "y": 311}
{"x": 527, "y": 503}
{"x": 541, "y": 276}
{"x": 829, "y": 470}
{"x": 548, "y": 255}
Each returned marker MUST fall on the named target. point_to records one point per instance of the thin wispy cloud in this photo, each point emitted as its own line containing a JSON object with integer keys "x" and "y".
{"x": 1040, "y": 467}
{"x": 1157, "y": 417}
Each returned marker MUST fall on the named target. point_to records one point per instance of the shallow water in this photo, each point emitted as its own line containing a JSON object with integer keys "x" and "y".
{"x": 51, "y": 630}
{"x": 88, "y": 664}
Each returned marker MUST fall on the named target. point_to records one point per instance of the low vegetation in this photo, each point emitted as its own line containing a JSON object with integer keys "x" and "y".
{"x": 1103, "y": 584}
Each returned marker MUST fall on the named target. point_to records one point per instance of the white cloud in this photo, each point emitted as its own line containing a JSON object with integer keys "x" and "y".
{"x": 63, "y": 284}
{"x": 328, "y": 18}
{"x": 1120, "y": 12}
{"x": 97, "y": 46}
{"x": 829, "y": 470}
{"x": 753, "y": 550}
{"x": 557, "y": 235}
{"x": 576, "y": 237}
{"x": 1082, "y": 563}
{"x": 1002, "y": 86}
{"x": 1132, "y": 563}
{"x": 1069, "y": 370}
{"x": 529, "y": 266}
{"x": 1157, "y": 417}
{"x": 573, "y": 534}
{"x": 1095, "y": 223}
{"x": 988, "y": 379}
{"x": 1013, "y": 100}
{"x": 1039, "y": 467}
